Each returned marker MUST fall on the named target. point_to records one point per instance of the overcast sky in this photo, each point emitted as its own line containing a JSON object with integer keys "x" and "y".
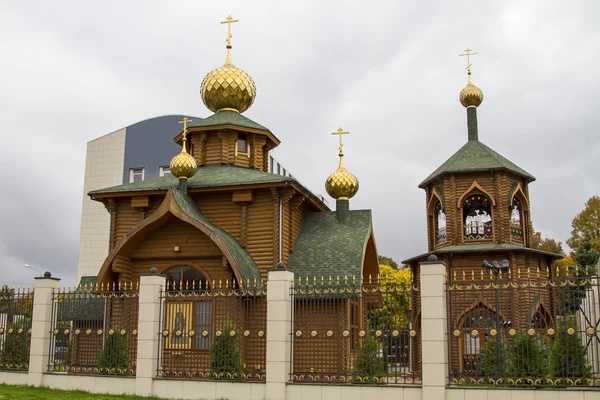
{"x": 387, "y": 71}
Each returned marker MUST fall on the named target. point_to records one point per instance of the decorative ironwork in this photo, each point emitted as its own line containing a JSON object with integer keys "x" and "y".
{"x": 477, "y": 216}
{"x": 231, "y": 323}
{"x": 360, "y": 332}
{"x": 16, "y": 309}
{"x": 524, "y": 328}
{"x": 93, "y": 324}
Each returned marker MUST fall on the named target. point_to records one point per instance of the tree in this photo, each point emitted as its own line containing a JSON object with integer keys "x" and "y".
{"x": 527, "y": 358}
{"x": 489, "y": 365}
{"x": 388, "y": 261}
{"x": 370, "y": 364}
{"x": 396, "y": 307}
{"x": 586, "y": 224}
{"x": 114, "y": 357}
{"x": 546, "y": 243}
{"x": 225, "y": 359}
{"x": 567, "y": 356}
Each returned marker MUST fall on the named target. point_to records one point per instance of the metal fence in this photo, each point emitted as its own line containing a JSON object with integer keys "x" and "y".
{"x": 94, "y": 329}
{"x": 348, "y": 331}
{"x": 524, "y": 328}
{"x": 213, "y": 332}
{"x": 16, "y": 308}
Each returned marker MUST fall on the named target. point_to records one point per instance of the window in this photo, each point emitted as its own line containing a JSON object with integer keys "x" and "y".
{"x": 516, "y": 220}
{"x": 164, "y": 171}
{"x": 440, "y": 225}
{"x": 476, "y": 325}
{"x": 477, "y": 217}
{"x": 242, "y": 146}
{"x": 183, "y": 316}
{"x": 136, "y": 175}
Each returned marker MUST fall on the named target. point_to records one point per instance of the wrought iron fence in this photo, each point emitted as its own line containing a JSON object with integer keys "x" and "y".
{"x": 16, "y": 308}
{"x": 213, "y": 332}
{"x": 348, "y": 331}
{"x": 524, "y": 328}
{"x": 94, "y": 329}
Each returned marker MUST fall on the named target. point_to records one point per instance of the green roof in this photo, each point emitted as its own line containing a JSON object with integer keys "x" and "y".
{"x": 327, "y": 247}
{"x": 475, "y": 156}
{"x": 247, "y": 267}
{"x": 227, "y": 117}
{"x": 207, "y": 176}
{"x": 483, "y": 247}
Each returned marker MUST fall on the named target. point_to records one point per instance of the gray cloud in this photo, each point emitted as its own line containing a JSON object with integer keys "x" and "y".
{"x": 386, "y": 71}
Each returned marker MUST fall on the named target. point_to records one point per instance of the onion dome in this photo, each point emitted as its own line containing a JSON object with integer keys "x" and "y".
{"x": 471, "y": 95}
{"x": 342, "y": 184}
{"x": 183, "y": 165}
{"x": 228, "y": 87}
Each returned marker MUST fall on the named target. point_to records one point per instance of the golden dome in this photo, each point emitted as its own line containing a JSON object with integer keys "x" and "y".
{"x": 228, "y": 87}
{"x": 471, "y": 95}
{"x": 183, "y": 165}
{"x": 342, "y": 184}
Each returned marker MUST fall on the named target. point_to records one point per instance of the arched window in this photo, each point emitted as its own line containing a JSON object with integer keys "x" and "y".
{"x": 516, "y": 220}
{"x": 541, "y": 319}
{"x": 477, "y": 217}
{"x": 181, "y": 314}
{"x": 476, "y": 326}
{"x": 440, "y": 224}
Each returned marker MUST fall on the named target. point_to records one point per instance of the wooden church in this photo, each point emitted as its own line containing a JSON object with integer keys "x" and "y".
{"x": 478, "y": 210}
{"x": 221, "y": 216}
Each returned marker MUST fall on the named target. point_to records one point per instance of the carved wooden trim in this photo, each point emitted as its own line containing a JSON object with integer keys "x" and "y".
{"x": 244, "y": 224}
{"x": 275, "y": 195}
{"x": 111, "y": 207}
{"x": 474, "y": 186}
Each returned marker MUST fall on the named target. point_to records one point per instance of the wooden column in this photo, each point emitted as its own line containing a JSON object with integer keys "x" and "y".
{"x": 111, "y": 207}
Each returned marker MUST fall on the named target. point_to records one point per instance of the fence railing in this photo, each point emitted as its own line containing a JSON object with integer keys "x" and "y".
{"x": 349, "y": 331}
{"x": 524, "y": 328}
{"x": 94, "y": 330}
{"x": 216, "y": 332}
{"x": 16, "y": 309}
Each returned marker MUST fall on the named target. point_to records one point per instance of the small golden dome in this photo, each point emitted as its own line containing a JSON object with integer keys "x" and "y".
{"x": 183, "y": 165}
{"x": 342, "y": 184}
{"x": 471, "y": 95}
{"x": 228, "y": 87}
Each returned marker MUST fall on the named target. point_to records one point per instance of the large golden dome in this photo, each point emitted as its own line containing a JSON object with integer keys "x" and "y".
{"x": 471, "y": 95}
{"x": 228, "y": 87}
{"x": 342, "y": 184}
{"x": 183, "y": 165}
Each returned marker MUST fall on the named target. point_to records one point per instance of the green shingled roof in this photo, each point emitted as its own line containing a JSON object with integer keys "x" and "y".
{"x": 326, "y": 247}
{"x": 482, "y": 247}
{"x": 227, "y": 117}
{"x": 475, "y": 156}
{"x": 247, "y": 267}
{"x": 82, "y": 308}
{"x": 207, "y": 176}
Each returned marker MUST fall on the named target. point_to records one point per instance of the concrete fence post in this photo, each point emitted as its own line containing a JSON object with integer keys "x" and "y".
{"x": 41, "y": 324}
{"x": 148, "y": 330}
{"x": 279, "y": 316}
{"x": 433, "y": 328}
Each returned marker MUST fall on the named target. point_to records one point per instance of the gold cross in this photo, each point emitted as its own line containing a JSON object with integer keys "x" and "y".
{"x": 184, "y": 121}
{"x": 340, "y": 132}
{"x": 468, "y": 54}
{"x": 229, "y": 21}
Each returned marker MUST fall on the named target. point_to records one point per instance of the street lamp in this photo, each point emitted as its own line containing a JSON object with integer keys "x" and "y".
{"x": 497, "y": 268}
{"x": 30, "y": 267}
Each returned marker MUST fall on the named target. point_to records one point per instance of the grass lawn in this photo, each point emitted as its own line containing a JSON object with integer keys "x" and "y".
{"x": 25, "y": 392}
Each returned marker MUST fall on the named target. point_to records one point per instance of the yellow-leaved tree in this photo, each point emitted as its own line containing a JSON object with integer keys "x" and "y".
{"x": 396, "y": 294}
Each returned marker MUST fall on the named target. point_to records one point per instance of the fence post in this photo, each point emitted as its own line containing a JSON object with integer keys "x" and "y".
{"x": 279, "y": 316}
{"x": 41, "y": 324}
{"x": 433, "y": 328}
{"x": 148, "y": 328}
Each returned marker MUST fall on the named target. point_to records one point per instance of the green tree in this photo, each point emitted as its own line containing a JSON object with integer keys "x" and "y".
{"x": 545, "y": 243}
{"x": 489, "y": 365}
{"x": 586, "y": 224}
{"x": 568, "y": 356}
{"x": 114, "y": 357}
{"x": 225, "y": 360}
{"x": 527, "y": 358}
{"x": 388, "y": 261}
{"x": 15, "y": 349}
{"x": 370, "y": 365}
